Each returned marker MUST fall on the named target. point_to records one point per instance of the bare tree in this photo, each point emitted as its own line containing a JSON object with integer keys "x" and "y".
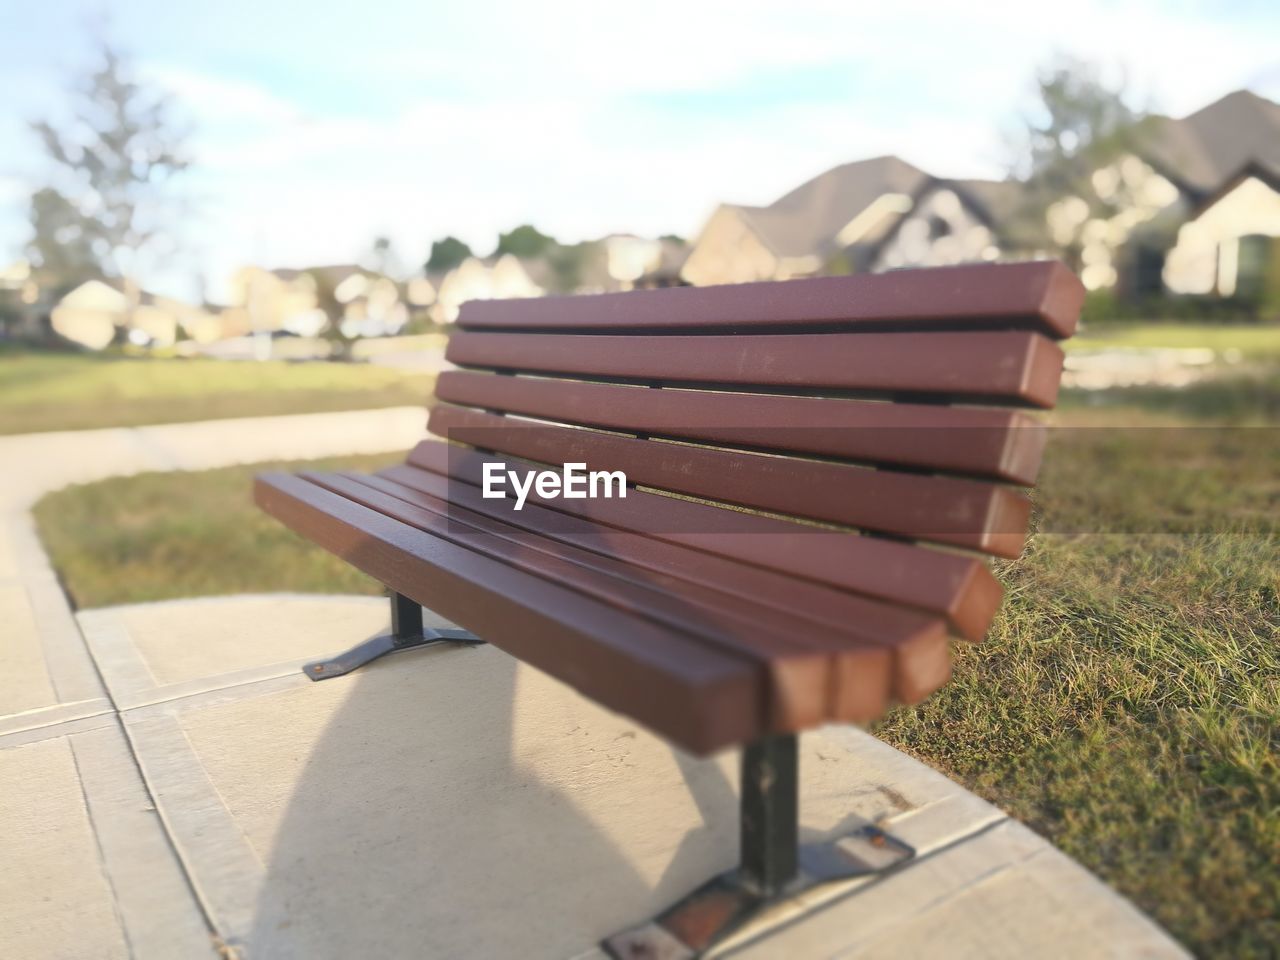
{"x": 108, "y": 200}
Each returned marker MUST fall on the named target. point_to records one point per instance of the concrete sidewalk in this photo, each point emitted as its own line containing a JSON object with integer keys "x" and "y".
{"x": 171, "y": 786}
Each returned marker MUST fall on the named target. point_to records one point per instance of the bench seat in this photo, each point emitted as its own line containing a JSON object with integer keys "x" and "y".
{"x": 683, "y": 619}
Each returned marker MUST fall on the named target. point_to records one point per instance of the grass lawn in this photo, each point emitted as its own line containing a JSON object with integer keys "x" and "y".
{"x": 1255, "y": 341}
{"x": 1126, "y": 704}
{"x": 196, "y": 534}
{"x": 1240, "y": 398}
{"x": 67, "y": 391}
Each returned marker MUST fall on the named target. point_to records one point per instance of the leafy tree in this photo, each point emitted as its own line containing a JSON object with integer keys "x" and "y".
{"x": 446, "y": 254}
{"x": 569, "y": 263}
{"x": 60, "y": 249}
{"x": 1080, "y": 124}
{"x": 107, "y": 201}
{"x": 525, "y": 241}
{"x": 1080, "y": 116}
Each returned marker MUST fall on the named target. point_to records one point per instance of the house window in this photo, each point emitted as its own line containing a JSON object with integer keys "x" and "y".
{"x": 1148, "y": 270}
{"x": 1257, "y": 268}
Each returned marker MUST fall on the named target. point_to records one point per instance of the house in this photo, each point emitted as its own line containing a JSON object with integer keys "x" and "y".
{"x": 632, "y": 261}
{"x": 1230, "y": 247}
{"x": 272, "y": 301}
{"x": 482, "y": 278}
{"x": 290, "y": 300}
{"x": 869, "y": 215}
{"x": 97, "y": 312}
{"x": 1224, "y": 160}
{"x": 1192, "y": 208}
{"x": 948, "y": 222}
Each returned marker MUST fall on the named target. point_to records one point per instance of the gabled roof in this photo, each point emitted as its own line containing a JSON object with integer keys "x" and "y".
{"x": 805, "y": 221}
{"x": 146, "y": 298}
{"x": 120, "y": 286}
{"x": 994, "y": 200}
{"x": 1203, "y": 151}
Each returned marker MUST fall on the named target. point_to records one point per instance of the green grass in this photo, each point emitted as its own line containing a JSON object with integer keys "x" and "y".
{"x": 173, "y": 535}
{"x": 1258, "y": 341}
{"x": 65, "y": 391}
{"x": 1126, "y": 703}
{"x": 1125, "y": 707}
{"x": 1239, "y": 398}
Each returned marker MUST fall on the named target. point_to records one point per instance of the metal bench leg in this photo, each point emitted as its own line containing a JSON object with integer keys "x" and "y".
{"x": 406, "y": 631}
{"x": 773, "y": 866}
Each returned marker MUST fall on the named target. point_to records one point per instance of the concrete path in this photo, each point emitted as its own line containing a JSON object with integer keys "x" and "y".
{"x": 171, "y": 786}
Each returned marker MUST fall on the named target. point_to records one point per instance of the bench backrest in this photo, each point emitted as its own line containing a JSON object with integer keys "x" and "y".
{"x": 798, "y": 371}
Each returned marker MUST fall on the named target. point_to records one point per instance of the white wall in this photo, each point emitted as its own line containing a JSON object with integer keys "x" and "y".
{"x": 728, "y": 251}
{"x": 966, "y": 237}
{"x": 1205, "y": 258}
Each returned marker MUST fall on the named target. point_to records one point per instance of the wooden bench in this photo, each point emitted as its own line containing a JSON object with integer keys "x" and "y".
{"x": 816, "y": 470}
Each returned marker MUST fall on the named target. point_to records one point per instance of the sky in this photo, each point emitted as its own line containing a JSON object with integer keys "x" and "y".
{"x": 317, "y": 126}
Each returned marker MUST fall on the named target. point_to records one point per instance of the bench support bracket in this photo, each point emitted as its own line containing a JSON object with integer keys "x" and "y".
{"x": 406, "y": 631}
{"x": 774, "y": 865}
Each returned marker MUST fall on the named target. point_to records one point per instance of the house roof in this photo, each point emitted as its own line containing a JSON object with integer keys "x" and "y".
{"x": 119, "y": 285}
{"x": 146, "y": 298}
{"x": 995, "y": 200}
{"x": 1205, "y": 150}
{"x": 806, "y": 221}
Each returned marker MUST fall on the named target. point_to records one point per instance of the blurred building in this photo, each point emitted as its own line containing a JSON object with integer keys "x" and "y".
{"x": 868, "y": 215}
{"x": 1224, "y": 162}
{"x": 632, "y": 261}
{"x": 1192, "y": 208}
{"x": 481, "y": 278}
{"x": 99, "y": 312}
{"x": 619, "y": 261}
{"x": 292, "y": 301}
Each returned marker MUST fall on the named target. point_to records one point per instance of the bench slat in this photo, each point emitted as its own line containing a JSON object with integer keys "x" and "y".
{"x": 802, "y": 611}
{"x": 917, "y": 641}
{"x": 1003, "y": 444}
{"x": 967, "y": 513}
{"x": 959, "y": 588}
{"x": 700, "y": 697}
{"x": 803, "y": 665}
{"x": 1007, "y": 366}
{"x": 1045, "y": 296}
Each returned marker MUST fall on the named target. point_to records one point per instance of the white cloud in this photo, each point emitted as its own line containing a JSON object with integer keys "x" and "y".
{"x": 221, "y": 99}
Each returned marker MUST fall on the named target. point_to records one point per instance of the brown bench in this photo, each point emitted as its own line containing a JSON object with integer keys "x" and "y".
{"x": 728, "y": 599}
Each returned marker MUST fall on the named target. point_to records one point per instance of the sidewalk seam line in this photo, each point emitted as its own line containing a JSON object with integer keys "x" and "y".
{"x": 135, "y": 760}
{"x": 97, "y": 845}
